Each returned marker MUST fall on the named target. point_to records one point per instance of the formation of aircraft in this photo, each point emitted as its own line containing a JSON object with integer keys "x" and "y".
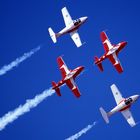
{"x": 68, "y": 78}
{"x": 123, "y": 106}
{"x": 71, "y": 27}
{"x": 111, "y": 52}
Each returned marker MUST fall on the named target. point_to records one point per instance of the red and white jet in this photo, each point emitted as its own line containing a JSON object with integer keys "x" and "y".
{"x": 123, "y": 106}
{"x": 68, "y": 78}
{"x": 111, "y": 52}
{"x": 71, "y": 27}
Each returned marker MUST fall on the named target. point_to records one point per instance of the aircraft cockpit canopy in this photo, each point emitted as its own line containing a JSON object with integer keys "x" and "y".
{"x": 76, "y": 22}
{"x": 128, "y": 101}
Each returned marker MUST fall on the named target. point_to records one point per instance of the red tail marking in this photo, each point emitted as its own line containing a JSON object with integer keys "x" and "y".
{"x": 56, "y": 88}
{"x": 96, "y": 58}
{"x": 98, "y": 63}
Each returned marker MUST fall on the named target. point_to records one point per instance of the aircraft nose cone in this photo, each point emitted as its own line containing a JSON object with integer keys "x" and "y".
{"x": 82, "y": 67}
{"x": 84, "y": 18}
{"x": 136, "y": 97}
{"x": 124, "y": 43}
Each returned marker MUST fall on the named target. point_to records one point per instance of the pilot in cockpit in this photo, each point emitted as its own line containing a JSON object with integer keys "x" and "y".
{"x": 76, "y": 22}
{"x": 128, "y": 101}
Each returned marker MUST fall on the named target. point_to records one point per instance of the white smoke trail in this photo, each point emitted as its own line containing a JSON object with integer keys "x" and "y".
{"x": 16, "y": 62}
{"x": 80, "y": 133}
{"x": 22, "y": 109}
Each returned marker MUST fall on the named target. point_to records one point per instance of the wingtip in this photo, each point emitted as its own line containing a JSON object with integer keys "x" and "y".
{"x": 64, "y": 8}
{"x": 113, "y": 85}
{"x": 105, "y": 30}
{"x": 133, "y": 125}
{"x": 59, "y": 57}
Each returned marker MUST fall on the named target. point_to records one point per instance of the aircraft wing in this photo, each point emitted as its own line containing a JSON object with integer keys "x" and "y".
{"x": 71, "y": 84}
{"x": 116, "y": 93}
{"x": 116, "y": 63}
{"x": 76, "y": 38}
{"x": 62, "y": 66}
{"x": 128, "y": 116}
{"x": 67, "y": 18}
{"x": 106, "y": 43}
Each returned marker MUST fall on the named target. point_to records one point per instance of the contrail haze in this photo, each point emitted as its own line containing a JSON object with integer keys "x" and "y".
{"x": 83, "y": 131}
{"x": 17, "y": 61}
{"x": 22, "y": 109}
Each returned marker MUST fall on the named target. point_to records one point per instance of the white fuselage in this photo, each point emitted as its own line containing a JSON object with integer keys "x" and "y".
{"x": 124, "y": 104}
{"x": 73, "y": 26}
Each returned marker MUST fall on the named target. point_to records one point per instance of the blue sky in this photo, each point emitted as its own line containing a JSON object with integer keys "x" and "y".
{"x": 24, "y": 26}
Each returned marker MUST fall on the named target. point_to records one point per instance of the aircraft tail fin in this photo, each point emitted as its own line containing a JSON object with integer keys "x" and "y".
{"x": 56, "y": 88}
{"x": 52, "y": 35}
{"x": 104, "y": 115}
{"x": 98, "y": 63}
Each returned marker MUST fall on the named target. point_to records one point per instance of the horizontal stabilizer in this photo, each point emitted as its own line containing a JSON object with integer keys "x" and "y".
{"x": 104, "y": 115}
{"x": 52, "y": 35}
{"x": 56, "y": 88}
{"x": 98, "y": 63}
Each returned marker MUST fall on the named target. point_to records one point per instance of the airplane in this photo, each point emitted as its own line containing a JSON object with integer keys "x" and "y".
{"x": 123, "y": 106}
{"x": 68, "y": 78}
{"x": 71, "y": 27}
{"x": 111, "y": 52}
